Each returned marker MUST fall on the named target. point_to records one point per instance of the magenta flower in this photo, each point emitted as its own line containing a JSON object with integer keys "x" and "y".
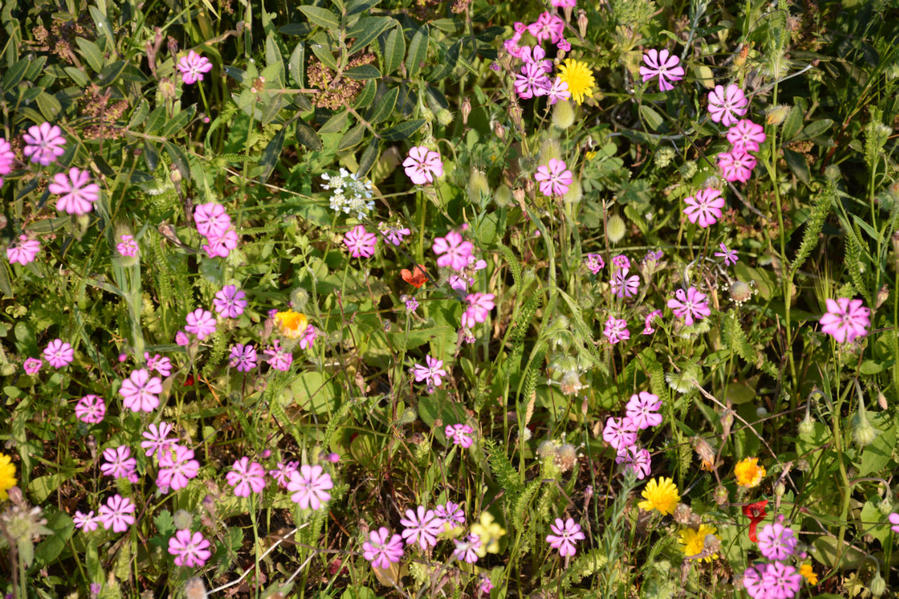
{"x": 182, "y": 339}
{"x": 621, "y": 261}
{"x": 746, "y": 136}
{"x": 90, "y": 409}
{"x": 547, "y": 27}
{"x": 243, "y": 357}
{"x": 157, "y": 439}
{"x": 536, "y": 55}
{"x": 564, "y": 3}
{"x": 78, "y": 193}
{"x": 161, "y": 364}
{"x": 665, "y": 66}
{"x": 201, "y": 323}
{"x": 308, "y": 337}
{"x": 423, "y": 165}
{"x": 432, "y": 373}
{"x": 393, "y": 235}
{"x": 451, "y": 513}
{"x": 278, "y": 357}
{"x": 360, "y": 242}
{"x": 485, "y": 586}
{"x": 118, "y": 462}
{"x": 557, "y": 91}
{"x": 453, "y": 251}
{"x": 777, "y": 542}
{"x": 117, "y": 513}
{"x": 729, "y": 256}
{"x": 532, "y": 81}
{"x": 736, "y": 165}
{"x": 643, "y": 409}
{"x": 553, "y": 178}
{"x": 704, "y": 208}
{"x": 647, "y": 322}
{"x": 190, "y": 549}
{"x": 58, "y": 353}
{"x": 310, "y": 487}
{"x": 176, "y": 466}
{"x": 636, "y": 459}
{"x": 725, "y": 105}
{"x": 86, "y": 522}
{"x": 7, "y": 159}
{"x": 192, "y": 67}
{"x": 140, "y": 391}
{"x": 781, "y": 581}
{"x": 24, "y": 252}
{"x": 894, "y": 520}
{"x": 382, "y": 549}
{"x": 479, "y": 306}
{"x": 594, "y": 263}
{"x": 211, "y": 220}
{"x": 846, "y": 319}
{"x": 565, "y": 534}
{"x": 32, "y": 365}
{"x": 44, "y": 143}
{"x": 230, "y": 301}
{"x": 623, "y": 285}
{"x": 127, "y": 246}
{"x": 421, "y": 527}
{"x": 620, "y": 433}
{"x": 615, "y": 330}
{"x": 220, "y": 247}
{"x": 460, "y": 434}
{"x": 283, "y": 471}
{"x": 690, "y": 305}
{"x": 754, "y": 583}
{"x": 246, "y": 477}
{"x": 467, "y": 550}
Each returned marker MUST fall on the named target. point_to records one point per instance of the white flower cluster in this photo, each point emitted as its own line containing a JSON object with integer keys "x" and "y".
{"x": 349, "y": 193}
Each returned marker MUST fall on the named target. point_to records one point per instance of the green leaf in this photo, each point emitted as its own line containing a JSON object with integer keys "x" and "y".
{"x": 351, "y": 137}
{"x": 403, "y": 130}
{"x": 652, "y": 118}
{"x": 394, "y": 50}
{"x": 418, "y": 52}
{"x": 296, "y": 65}
{"x": 78, "y": 77}
{"x": 336, "y": 123}
{"x": 816, "y": 128}
{"x": 321, "y": 47}
{"x": 798, "y": 165}
{"x": 271, "y": 154}
{"x": 41, "y": 487}
{"x": 111, "y": 72}
{"x": 307, "y": 136}
{"x": 321, "y": 17}
{"x": 12, "y": 76}
{"x": 49, "y": 106}
{"x": 363, "y": 71}
{"x": 383, "y": 107}
{"x": 178, "y": 122}
{"x": 368, "y": 158}
{"x": 62, "y": 526}
{"x": 178, "y": 158}
{"x": 313, "y": 392}
{"x": 365, "y": 30}
{"x": 165, "y": 523}
{"x": 91, "y": 53}
{"x": 792, "y": 124}
{"x": 367, "y": 94}
{"x": 879, "y": 454}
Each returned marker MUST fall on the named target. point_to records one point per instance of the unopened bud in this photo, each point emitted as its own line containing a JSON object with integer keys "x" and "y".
{"x": 882, "y": 296}
{"x": 478, "y": 186}
{"x": 515, "y": 114}
{"x": 563, "y": 114}
{"x": 863, "y": 433}
{"x": 807, "y": 426}
{"x": 499, "y": 131}
{"x": 549, "y": 150}
{"x": 721, "y": 495}
{"x": 832, "y": 173}
{"x": 444, "y": 117}
{"x": 882, "y": 400}
{"x": 878, "y": 585}
{"x": 175, "y": 175}
{"x": 777, "y": 114}
{"x": 465, "y": 110}
{"x": 740, "y": 291}
{"x": 574, "y": 193}
{"x": 503, "y": 196}
{"x": 582, "y": 22}
{"x": 615, "y": 229}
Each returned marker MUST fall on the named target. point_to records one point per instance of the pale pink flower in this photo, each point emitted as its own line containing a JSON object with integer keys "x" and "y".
{"x": 190, "y": 549}
{"x": 432, "y": 373}
{"x": 621, "y": 261}
{"x": 7, "y": 159}
{"x": 846, "y": 319}
{"x": 32, "y": 365}
{"x": 282, "y": 472}
{"x": 754, "y": 583}
{"x": 382, "y": 549}
{"x": 278, "y": 357}
{"x": 246, "y": 477}
{"x": 636, "y": 459}
{"x": 90, "y": 409}
{"x": 422, "y": 527}
{"x": 182, "y": 339}
{"x": 704, "y": 209}
{"x": 726, "y": 104}
{"x": 460, "y": 434}
{"x": 309, "y": 337}
{"x": 536, "y": 55}
{"x": 192, "y": 67}
{"x": 230, "y": 301}
{"x": 620, "y": 433}
{"x": 565, "y": 534}
{"x": 467, "y": 550}
{"x": 690, "y": 305}
{"x": 220, "y": 247}
{"x": 78, "y": 193}
{"x": 894, "y": 520}
{"x": 310, "y": 486}
{"x": 393, "y": 235}
{"x": 201, "y": 323}
{"x": 729, "y": 256}
{"x": 157, "y": 439}
{"x": 453, "y": 251}
{"x": 58, "y": 353}
{"x": 485, "y": 586}
{"x": 118, "y": 462}
{"x": 23, "y": 252}
{"x": 616, "y": 330}
{"x": 127, "y": 246}
{"x": 117, "y": 513}
{"x": 161, "y": 364}
{"x": 594, "y": 263}
{"x": 623, "y": 285}
{"x": 176, "y": 468}
{"x": 557, "y": 91}
{"x": 746, "y": 136}
{"x": 665, "y": 66}
{"x": 86, "y": 522}
{"x": 736, "y": 165}
{"x": 451, "y": 513}
{"x": 479, "y": 306}
{"x": 647, "y": 322}
{"x": 553, "y": 178}
{"x": 44, "y": 143}
{"x": 532, "y": 81}
{"x": 777, "y": 542}
{"x": 360, "y": 242}
{"x": 643, "y": 409}
{"x": 547, "y": 27}
{"x": 140, "y": 391}
{"x": 423, "y": 165}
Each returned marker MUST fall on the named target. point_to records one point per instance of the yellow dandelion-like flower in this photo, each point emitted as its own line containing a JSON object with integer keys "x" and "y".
{"x": 694, "y": 542}
{"x": 291, "y": 324}
{"x": 808, "y": 574}
{"x": 489, "y": 532}
{"x": 660, "y": 494}
{"x": 7, "y": 475}
{"x": 579, "y": 78}
{"x": 748, "y": 472}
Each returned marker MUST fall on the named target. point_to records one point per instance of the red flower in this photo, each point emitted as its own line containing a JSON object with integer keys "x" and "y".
{"x": 756, "y": 513}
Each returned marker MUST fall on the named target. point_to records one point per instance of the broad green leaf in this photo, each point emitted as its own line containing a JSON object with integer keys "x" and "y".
{"x": 363, "y": 71}
{"x": 111, "y": 72}
{"x": 314, "y": 392}
{"x": 368, "y": 158}
{"x": 351, "y": 137}
{"x": 77, "y": 76}
{"x": 12, "y": 76}
{"x": 798, "y": 165}
{"x": 296, "y": 65}
{"x": 49, "y": 106}
{"x": 418, "y": 52}
{"x": 394, "y": 50}
{"x": 91, "y": 53}
{"x": 336, "y": 123}
{"x": 384, "y": 105}
{"x": 271, "y": 154}
{"x": 816, "y": 128}
{"x": 307, "y": 136}
{"x": 792, "y": 124}
{"x": 321, "y": 47}
{"x": 321, "y": 17}
{"x": 178, "y": 158}
{"x": 367, "y": 94}
{"x": 51, "y": 546}
{"x": 652, "y": 118}
{"x": 367, "y": 29}
{"x": 41, "y": 487}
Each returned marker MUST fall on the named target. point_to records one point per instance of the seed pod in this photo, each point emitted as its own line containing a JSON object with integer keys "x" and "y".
{"x": 615, "y": 229}
{"x": 563, "y": 114}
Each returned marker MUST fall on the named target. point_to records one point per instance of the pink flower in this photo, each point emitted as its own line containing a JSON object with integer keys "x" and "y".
{"x": 176, "y": 467}
{"x": 485, "y": 586}
{"x": 647, "y": 322}
{"x": 58, "y": 353}
{"x": 393, "y": 235}
{"x": 423, "y": 165}
{"x": 310, "y": 487}
{"x": 846, "y": 319}
{"x": 736, "y": 165}
{"x": 181, "y": 338}
{"x": 278, "y": 357}
{"x": 636, "y": 459}
{"x": 23, "y": 252}
{"x": 532, "y": 81}
{"x": 32, "y": 365}
{"x": 616, "y": 330}
{"x": 140, "y": 391}
{"x": 725, "y": 105}
{"x": 211, "y": 220}
{"x": 127, "y": 246}
{"x": 118, "y": 462}
{"x": 220, "y": 247}
{"x": 90, "y": 409}
{"x": 620, "y": 433}
{"x": 421, "y": 527}
{"x": 7, "y": 159}
{"x": 451, "y": 513}
{"x": 781, "y": 581}
{"x": 308, "y": 337}
{"x": 690, "y": 305}
{"x": 230, "y": 301}
{"x": 459, "y": 433}
{"x": 894, "y": 520}
{"x": 201, "y": 323}
{"x": 467, "y": 550}
{"x": 557, "y": 91}
{"x": 86, "y": 522}
{"x": 553, "y": 178}
{"x": 594, "y": 263}
{"x": 192, "y": 67}
{"x": 283, "y": 471}
{"x": 157, "y": 439}
{"x": 453, "y": 251}
{"x": 536, "y": 55}
{"x": 243, "y": 357}
{"x": 78, "y": 194}
{"x": 431, "y": 373}
{"x": 746, "y": 136}
{"x": 479, "y": 306}
{"x": 161, "y": 364}
{"x": 360, "y": 242}
{"x": 547, "y": 27}
{"x": 564, "y": 3}
{"x": 382, "y": 549}
{"x": 729, "y": 256}
{"x": 623, "y": 285}
{"x": 621, "y": 261}
{"x": 246, "y": 477}
{"x": 643, "y": 410}
{"x": 44, "y": 143}
{"x": 190, "y": 549}
{"x": 704, "y": 208}
{"x": 565, "y": 534}
{"x": 777, "y": 542}
{"x": 665, "y": 66}
{"x": 754, "y": 583}
{"x": 117, "y": 514}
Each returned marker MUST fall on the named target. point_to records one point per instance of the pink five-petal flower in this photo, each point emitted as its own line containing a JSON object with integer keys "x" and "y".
{"x": 176, "y": 468}
{"x": 230, "y": 301}
{"x": 421, "y": 526}
{"x": 201, "y": 323}
{"x": 636, "y": 459}
{"x": 192, "y": 67}
{"x": 726, "y": 104}
{"x": 776, "y": 541}
{"x": 689, "y": 305}
{"x": 382, "y": 549}
{"x": 704, "y": 209}
{"x": 746, "y": 136}
{"x": 781, "y": 581}
{"x": 32, "y": 365}
{"x": 127, "y": 246}
{"x": 44, "y": 143}
{"x": 7, "y": 159}
{"x": 467, "y": 550}
{"x": 615, "y": 330}
{"x": 736, "y": 165}
{"x": 211, "y": 220}
{"x": 665, "y": 66}
{"x": 86, "y": 522}
{"x": 894, "y": 520}
{"x": 432, "y": 374}
{"x": 157, "y": 439}
{"x": 532, "y": 81}
{"x": 620, "y": 433}
{"x": 190, "y": 549}
{"x": 118, "y": 462}
{"x": 360, "y": 242}
{"x": 553, "y": 178}
{"x": 423, "y": 165}
{"x": 453, "y": 251}
{"x": 77, "y": 193}
{"x": 246, "y": 477}
{"x": 624, "y": 286}
{"x": 460, "y": 434}
{"x": 58, "y": 353}
{"x": 846, "y": 319}
{"x": 565, "y": 534}
{"x": 310, "y": 486}
{"x": 243, "y": 357}
{"x": 754, "y": 583}
{"x": 643, "y": 409}
{"x": 140, "y": 391}
{"x": 117, "y": 513}
{"x": 547, "y": 27}
{"x": 479, "y": 306}
{"x": 23, "y": 252}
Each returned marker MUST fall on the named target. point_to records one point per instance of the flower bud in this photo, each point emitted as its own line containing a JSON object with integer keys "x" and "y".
{"x": 182, "y": 519}
{"x": 877, "y": 586}
{"x": 465, "y": 110}
{"x": 478, "y": 186}
{"x": 574, "y": 193}
{"x": 566, "y": 457}
{"x": 740, "y": 291}
{"x": 499, "y": 131}
{"x": 777, "y": 114}
{"x": 721, "y": 495}
{"x": 549, "y": 150}
{"x": 807, "y": 426}
{"x": 299, "y": 298}
{"x": 563, "y": 114}
{"x": 582, "y": 22}
{"x": 503, "y": 196}
{"x": 615, "y": 229}
{"x": 863, "y": 432}
{"x": 832, "y": 173}
{"x": 444, "y": 117}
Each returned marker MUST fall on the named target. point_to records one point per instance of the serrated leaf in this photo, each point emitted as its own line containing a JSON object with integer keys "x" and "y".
{"x": 384, "y": 106}
{"x": 394, "y": 50}
{"x": 307, "y": 136}
{"x": 91, "y": 53}
{"x": 321, "y": 17}
{"x": 403, "y": 130}
{"x": 418, "y": 52}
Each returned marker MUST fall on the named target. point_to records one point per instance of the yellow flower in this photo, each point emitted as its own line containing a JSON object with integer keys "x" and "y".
{"x": 808, "y": 573}
{"x": 489, "y": 532}
{"x": 693, "y": 541}
{"x": 579, "y": 78}
{"x": 748, "y": 472}
{"x": 660, "y": 494}
{"x": 7, "y": 475}
{"x": 291, "y": 324}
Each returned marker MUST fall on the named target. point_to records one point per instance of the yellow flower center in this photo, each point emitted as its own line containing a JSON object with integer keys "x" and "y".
{"x": 291, "y": 324}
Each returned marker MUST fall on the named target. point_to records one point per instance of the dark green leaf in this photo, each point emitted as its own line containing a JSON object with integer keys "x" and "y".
{"x": 12, "y": 76}
{"x": 306, "y": 135}
{"x": 91, "y": 53}
{"x": 366, "y": 95}
{"x": 321, "y": 47}
{"x": 271, "y": 154}
{"x": 296, "y": 66}
{"x": 336, "y": 123}
{"x": 5, "y": 287}
{"x": 394, "y": 50}
{"x": 103, "y": 28}
{"x": 365, "y": 30}
{"x": 384, "y": 105}
{"x": 49, "y": 106}
{"x": 273, "y": 55}
{"x": 798, "y": 165}
{"x": 363, "y": 71}
{"x": 652, "y": 118}
{"x": 403, "y": 130}
{"x": 178, "y": 122}
{"x": 62, "y": 526}
{"x": 418, "y": 51}
{"x": 351, "y": 137}
{"x": 321, "y": 17}
{"x": 816, "y": 128}
{"x": 792, "y": 124}
{"x": 178, "y": 158}
{"x": 111, "y": 72}
{"x": 299, "y": 29}
{"x": 367, "y": 160}
{"x": 77, "y": 76}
